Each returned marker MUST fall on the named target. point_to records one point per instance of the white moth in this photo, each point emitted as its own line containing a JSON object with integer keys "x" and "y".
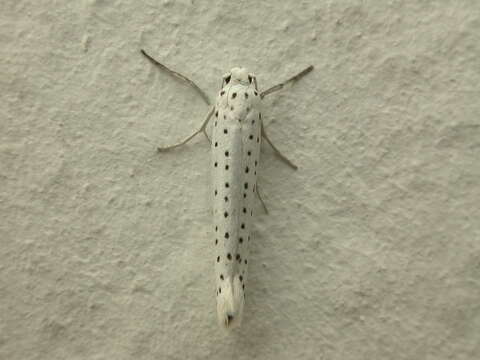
{"x": 236, "y": 138}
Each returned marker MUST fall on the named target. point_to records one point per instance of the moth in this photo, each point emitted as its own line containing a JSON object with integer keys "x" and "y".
{"x": 237, "y": 134}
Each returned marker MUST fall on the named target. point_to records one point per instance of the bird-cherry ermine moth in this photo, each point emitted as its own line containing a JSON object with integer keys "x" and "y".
{"x": 236, "y": 138}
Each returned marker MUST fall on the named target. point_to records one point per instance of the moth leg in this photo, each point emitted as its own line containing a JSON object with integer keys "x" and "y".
{"x": 279, "y": 154}
{"x": 281, "y": 85}
{"x": 187, "y": 139}
{"x": 261, "y": 200}
{"x": 178, "y": 75}
{"x": 206, "y": 135}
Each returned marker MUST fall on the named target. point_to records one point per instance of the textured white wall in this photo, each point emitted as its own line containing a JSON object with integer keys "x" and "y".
{"x": 372, "y": 248}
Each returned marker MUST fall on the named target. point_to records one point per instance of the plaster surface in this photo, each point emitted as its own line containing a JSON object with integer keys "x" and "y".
{"x": 371, "y": 249}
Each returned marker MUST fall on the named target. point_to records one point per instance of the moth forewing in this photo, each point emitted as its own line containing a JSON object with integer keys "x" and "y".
{"x": 236, "y": 142}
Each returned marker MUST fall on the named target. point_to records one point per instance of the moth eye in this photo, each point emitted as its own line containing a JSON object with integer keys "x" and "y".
{"x": 227, "y": 79}
{"x": 250, "y": 79}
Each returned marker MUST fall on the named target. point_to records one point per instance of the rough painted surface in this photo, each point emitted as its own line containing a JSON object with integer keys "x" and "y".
{"x": 372, "y": 248}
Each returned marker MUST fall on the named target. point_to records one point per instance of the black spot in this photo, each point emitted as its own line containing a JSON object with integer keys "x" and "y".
{"x": 253, "y": 122}
{"x": 226, "y": 153}
{"x": 222, "y": 92}
{"x": 240, "y": 240}
{"x": 249, "y": 80}
{"x": 229, "y": 256}
{"x": 234, "y": 95}
{"x": 221, "y": 276}
{"x": 255, "y": 92}
{"x": 251, "y": 212}
{"x": 248, "y": 237}
{"x": 256, "y": 162}
{"x": 260, "y": 116}
{"x": 255, "y": 172}
{"x": 250, "y": 137}
{"x": 245, "y": 186}
{"x": 227, "y": 79}
{"x": 244, "y": 195}
{"x": 215, "y": 192}
{"x": 258, "y": 139}
{"x": 219, "y": 290}
{"x": 224, "y": 117}
{"x": 225, "y": 214}
{"x": 231, "y": 108}
{"x": 216, "y": 228}
{"x": 243, "y": 287}
{"x": 226, "y": 185}
{"x": 242, "y": 226}
{"x": 216, "y": 164}
{"x": 248, "y": 109}
{"x": 226, "y": 198}
{"x": 227, "y": 167}
{"x": 218, "y": 258}
{"x": 216, "y": 241}
{"x": 244, "y": 210}
{"x": 239, "y": 259}
{"x": 216, "y": 113}
{"x": 249, "y": 153}
{"x": 225, "y": 131}
{"x": 241, "y": 278}
{"x": 246, "y": 262}
{"x": 246, "y": 170}
{"x": 246, "y": 96}
{"x": 216, "y": 144}
{"x": 227, "y": 235}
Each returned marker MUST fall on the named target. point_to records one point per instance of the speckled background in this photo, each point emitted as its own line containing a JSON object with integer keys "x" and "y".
{"x": 371, "y": 249}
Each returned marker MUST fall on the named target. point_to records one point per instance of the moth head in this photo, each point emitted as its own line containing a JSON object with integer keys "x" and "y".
{"x": 238, "y": 76}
